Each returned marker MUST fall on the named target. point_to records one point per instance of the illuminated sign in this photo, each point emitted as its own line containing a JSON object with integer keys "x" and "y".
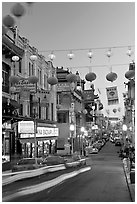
{"x": 42, "y": 132}
{"x": 26, "y": 127}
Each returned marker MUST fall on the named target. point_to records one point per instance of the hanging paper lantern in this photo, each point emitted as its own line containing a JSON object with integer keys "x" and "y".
{"x": 52, "y": 80}
{"x": 15, "y": 58}
{"x": 114, "y": 110}
{"x": 14, "y": 79}
{"x": 18, "y": 10}
{"x": 52, "y": 56}
{"x": 4, "y": 30}
{"x": 70, "y": 55}
{"x": 91, "y": 76}
{"x": 8, "y": 21}
{"x": 130, "y": 74}
{"x": 33, "y": 57}
{"x": 33, "y": 79}
{"x": 71, "y": 78}
{"x": 129, "y": 52}
{"x": 90, "y": 54}
{"x": 109, "y": 53}
{"x": 111, "y": 76}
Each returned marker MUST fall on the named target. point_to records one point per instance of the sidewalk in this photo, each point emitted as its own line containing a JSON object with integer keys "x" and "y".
{"x": 131, "y": 186}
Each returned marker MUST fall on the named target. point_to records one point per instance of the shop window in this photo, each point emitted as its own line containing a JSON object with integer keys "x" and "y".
{"x": 21, "y": 109}
{"x": 62, "y": 117}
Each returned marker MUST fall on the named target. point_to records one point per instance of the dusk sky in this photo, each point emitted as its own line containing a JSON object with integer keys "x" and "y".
{"x": 80, "y": 26}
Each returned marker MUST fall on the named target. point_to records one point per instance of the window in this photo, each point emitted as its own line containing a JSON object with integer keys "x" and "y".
{"x": 29, "y": 69}
{"x": 62, "y": 117}
{"x": 59, "y": 98}
{"x": 47, "y": 113}
{"x": 52, "y": 111}
{"x": 20, "y": 63}
{"x": 21, "y": 109}
{"x": 39, "y": 109}
{"x": 32, "y": 69}
{"x": 40, "y": 77}
{"x": 5, "y": 77}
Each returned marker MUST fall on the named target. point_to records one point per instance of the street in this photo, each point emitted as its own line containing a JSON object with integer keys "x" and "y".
{"x": 104, "y": 182}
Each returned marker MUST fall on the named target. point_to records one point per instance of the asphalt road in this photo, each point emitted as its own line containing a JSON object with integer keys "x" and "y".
{"x": 103, "y": 182}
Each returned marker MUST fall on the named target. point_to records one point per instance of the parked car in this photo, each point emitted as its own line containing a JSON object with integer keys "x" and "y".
{"x": 54, "y": 160}
{"x": 92, "y": 149}
{"x": 27, "y": 164}
{"x": 117, "y": 142}
{"x": 75, "y": 160}
{"x": 98, "y": 145}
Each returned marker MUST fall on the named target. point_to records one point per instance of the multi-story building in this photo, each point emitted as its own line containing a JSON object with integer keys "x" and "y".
{"x": 70, "y": 108}
{"x": 75, "y": 106}
{"x": 24, "y": 100}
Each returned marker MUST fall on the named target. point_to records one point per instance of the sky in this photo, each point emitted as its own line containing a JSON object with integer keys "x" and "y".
{"x": 80, "y": 26}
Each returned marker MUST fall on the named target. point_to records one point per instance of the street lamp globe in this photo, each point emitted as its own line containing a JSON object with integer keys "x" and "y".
{"x": 72, "y": 127}
{"x": 82, "y": 129}
{"x": 124, "y": 127}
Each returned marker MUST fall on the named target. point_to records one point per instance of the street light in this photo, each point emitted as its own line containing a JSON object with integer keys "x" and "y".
{"x": 82, "y": 131}
{"x": 72, "y": 128}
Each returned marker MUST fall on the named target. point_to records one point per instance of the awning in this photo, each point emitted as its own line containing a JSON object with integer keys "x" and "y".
{"x": 32, "y": 140}
{"x": 11, "y": 46}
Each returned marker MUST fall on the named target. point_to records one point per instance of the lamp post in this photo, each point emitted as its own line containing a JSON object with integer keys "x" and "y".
{"x": 124, "y": 127}
{"x": 82, "y": 137}
{"x": 72, "y": 128}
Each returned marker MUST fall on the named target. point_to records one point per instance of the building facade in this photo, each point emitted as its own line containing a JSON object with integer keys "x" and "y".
{"x": 23, "y": 100}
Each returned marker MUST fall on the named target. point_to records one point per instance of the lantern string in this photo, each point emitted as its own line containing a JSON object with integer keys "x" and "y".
{"x": 80, "y": 49}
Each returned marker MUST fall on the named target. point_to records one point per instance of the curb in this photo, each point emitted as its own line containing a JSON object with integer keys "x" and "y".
{"x": 131, "y": 187}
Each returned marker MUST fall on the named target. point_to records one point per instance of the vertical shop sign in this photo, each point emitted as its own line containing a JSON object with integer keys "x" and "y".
{"x": 112, "y": 95}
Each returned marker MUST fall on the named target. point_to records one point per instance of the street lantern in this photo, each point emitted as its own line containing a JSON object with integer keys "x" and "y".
{"x": 72, "y": 128}
{"x": 8, "y": 21}
{"x": 82, "y": 131}
{"x": 124, "y": 127}
{"x": 18, "y": 10}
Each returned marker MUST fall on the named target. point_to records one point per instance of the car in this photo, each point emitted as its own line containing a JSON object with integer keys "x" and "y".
{"x": 5, "y": 159}
{"x": 92, "y": 149}
{"x": 28, "y": 164}
{"x": 54, "y": 160}
{"x": 117, "y": 142}
{"x": 101, "y": 142}
{"x": 75, "y": 160}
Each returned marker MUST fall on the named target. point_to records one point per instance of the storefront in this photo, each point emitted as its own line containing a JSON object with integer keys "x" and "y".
{"x": 6, "y": 130}
{"x": 46, "y": 139}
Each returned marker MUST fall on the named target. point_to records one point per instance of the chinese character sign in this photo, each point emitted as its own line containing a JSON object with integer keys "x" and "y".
{"x": 112, "y": 95}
